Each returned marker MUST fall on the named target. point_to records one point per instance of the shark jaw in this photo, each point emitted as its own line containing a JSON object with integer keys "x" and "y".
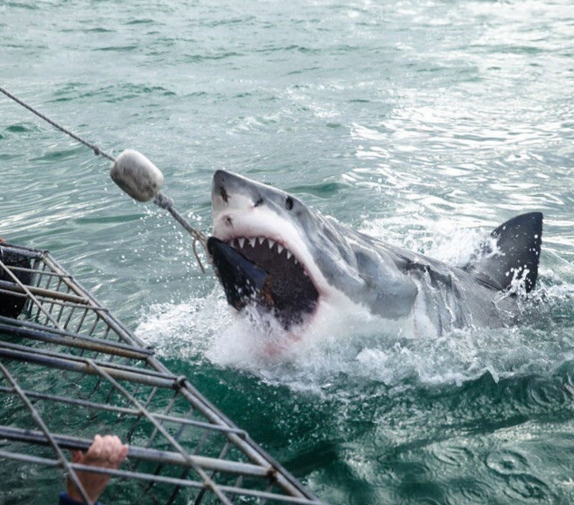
{"x": 264, "y": 273}
{"x": 258, "y": 254}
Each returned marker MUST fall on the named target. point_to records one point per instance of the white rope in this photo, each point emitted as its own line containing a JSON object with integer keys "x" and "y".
{"x": 165, "y": 202}
{"x": 160, "y": 200}
{"x": 93, "y": 147}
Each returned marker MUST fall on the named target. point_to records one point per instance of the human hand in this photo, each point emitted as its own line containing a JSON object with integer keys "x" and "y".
{"x": 105, "y": 452}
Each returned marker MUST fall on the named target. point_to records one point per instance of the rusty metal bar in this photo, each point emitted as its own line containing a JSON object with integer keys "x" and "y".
{"x": 68, "y": 318}
{"x": 18, "y": 290}
{"x": 76, "y": 341}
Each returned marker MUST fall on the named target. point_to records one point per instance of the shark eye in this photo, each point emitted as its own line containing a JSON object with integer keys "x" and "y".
{"x": 289, "y": 203}
{"x": 258, "y": 202}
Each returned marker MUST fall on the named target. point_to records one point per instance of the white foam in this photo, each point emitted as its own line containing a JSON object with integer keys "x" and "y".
{"x": 183, "y": 330}
{"x": 256, "y": 339}
{"x": 444, "y": 240}
{"x": 346, "y": 343}
{"x": 346, "y": 347}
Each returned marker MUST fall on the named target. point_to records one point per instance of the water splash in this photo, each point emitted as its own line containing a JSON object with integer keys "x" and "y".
{"x": 356, "y": 346}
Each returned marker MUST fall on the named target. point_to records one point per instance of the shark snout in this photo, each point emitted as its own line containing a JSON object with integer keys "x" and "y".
{"x": 219, "y": 190}
{"x": 232, "y": 197}
{"x": 231, "y": 190}
{"x": 233, "y": 194}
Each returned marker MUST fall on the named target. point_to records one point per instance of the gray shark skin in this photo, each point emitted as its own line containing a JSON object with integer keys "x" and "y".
{"x": 272, "y": 251}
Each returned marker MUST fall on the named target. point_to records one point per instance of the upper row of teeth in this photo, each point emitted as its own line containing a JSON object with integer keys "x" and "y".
{"x": 254, "y": 240}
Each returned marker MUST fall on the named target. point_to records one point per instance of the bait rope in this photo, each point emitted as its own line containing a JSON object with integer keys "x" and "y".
{"x": 160, "y": 199}
{"x": 96, "y": 149}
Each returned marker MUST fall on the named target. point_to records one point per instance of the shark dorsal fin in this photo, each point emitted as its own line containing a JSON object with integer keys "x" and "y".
{"x": 515, "y": 254}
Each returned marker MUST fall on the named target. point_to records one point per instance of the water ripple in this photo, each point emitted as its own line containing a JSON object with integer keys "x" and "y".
{"x": 452, "y": 455}
{"x": 424, "y": 123}
{"x": 528, "y": 487}
{"x": 506, "y": 462}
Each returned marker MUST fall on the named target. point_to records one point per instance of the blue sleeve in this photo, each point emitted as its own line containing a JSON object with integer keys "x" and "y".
{"x": 64, "y": 500}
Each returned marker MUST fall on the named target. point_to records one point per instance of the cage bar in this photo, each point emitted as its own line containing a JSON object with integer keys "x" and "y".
{"x": 63, "y": 356}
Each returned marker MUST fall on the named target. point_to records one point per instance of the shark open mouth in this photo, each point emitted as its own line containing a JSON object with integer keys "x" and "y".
{"x": 262, "y": 271}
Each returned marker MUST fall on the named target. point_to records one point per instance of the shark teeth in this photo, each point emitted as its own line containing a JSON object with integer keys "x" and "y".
{"x": 240, "y": 243}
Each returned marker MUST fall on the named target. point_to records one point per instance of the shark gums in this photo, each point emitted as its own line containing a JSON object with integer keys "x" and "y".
{"x": 271, "y": 251}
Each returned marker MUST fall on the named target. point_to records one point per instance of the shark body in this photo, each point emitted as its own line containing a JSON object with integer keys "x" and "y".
{"x": 272, "y": 251}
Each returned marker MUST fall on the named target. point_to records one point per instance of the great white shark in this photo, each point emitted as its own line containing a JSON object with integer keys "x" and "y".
{"x": 271, "y": 251}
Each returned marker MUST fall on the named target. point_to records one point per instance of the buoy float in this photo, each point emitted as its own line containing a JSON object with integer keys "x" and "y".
{"x": 137, "y": 175}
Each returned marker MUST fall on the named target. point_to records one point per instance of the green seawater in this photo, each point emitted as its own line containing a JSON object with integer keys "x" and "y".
{"x": 420, "y": 122}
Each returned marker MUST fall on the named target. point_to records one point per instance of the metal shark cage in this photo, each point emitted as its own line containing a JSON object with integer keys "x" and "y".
{"x": 68, "y": 368}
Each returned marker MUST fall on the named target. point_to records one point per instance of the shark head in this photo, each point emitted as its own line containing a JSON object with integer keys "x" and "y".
{"x": 269, "y": 249}
{"x": 260, "y": 250}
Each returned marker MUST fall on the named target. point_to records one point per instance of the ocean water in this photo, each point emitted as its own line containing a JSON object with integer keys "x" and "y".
{"x": 425, "y": 123}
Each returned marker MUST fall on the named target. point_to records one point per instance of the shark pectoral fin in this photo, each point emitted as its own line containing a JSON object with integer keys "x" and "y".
{"x": 389, "y": 292}
{"x": 515, "y": 256}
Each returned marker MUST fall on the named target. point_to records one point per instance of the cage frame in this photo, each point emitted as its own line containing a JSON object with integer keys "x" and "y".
{"x": 61, "y": 328}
